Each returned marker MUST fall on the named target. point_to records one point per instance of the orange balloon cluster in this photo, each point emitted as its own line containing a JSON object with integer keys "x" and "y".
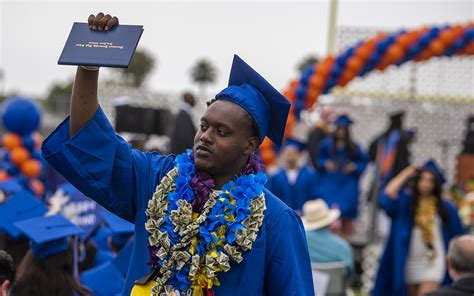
{"x": 20, "y": 157}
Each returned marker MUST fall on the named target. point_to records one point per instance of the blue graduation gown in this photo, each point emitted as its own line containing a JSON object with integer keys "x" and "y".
{"x": 294, "y": 195}
{"x": 104, "y": 167}
{"x": 103, "y": 280}
{"x": 391, "y": 274}
{"x": 338, "y": 188}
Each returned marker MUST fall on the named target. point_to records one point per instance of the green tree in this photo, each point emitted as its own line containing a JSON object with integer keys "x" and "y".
{"x": 58, "y": 99}
{"x": 306, "y": 62}
{"x": 203, "y": 73}
{"x": 141, "y": 65}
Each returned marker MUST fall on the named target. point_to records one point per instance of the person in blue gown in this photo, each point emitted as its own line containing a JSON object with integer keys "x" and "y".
{"x": 407, "y": 267}
{"x": 293, "y": 184}
{"x": 341, "y": 163}
{"x": 87, "y": 151}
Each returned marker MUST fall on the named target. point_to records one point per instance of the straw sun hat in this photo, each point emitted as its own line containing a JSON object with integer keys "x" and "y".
{"x": 316, "y": 214}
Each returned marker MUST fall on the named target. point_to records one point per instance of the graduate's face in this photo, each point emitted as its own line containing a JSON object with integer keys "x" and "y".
{"x": 426, "y": 183}
{"x": 224, "y": 140}
{"x": 291, "y": 156}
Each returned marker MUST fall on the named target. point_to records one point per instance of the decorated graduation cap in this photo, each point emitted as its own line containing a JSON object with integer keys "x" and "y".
{"x": 80, "y": 210}
{"x": 49, "y": 235}
{"x": 294, "y": 143}
{"x": 343, "y": 120}
{"x": 431, "y": 166}
{"x": 18, "y": 207}
{"x": 263, "y": 102}
{"x": 120, "y": 228}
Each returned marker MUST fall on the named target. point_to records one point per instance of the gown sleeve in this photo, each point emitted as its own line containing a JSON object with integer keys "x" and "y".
{"x": 288, "y": 266}
{"x": 324, "y": 155}
{"x": 393, "y": 206}
{"x": 103, "y": 166}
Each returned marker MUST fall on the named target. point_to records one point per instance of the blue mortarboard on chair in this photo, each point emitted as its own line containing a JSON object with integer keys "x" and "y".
{"x": 343, "y": 120}
{"x": 295, "y": 143}
{"x": 267, "y": 106}
{"x": 18, "y": 207}
{"x": 49, "y": 235}
{"x": 121, "y": 229}
{"x": 431, "y": 166}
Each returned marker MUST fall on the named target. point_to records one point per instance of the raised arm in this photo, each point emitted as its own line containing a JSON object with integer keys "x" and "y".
{"x": 394, "y": 186}
{"x": 84, "y": 102}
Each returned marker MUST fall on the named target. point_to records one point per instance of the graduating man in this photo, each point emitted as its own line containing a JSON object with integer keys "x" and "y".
{"x": 204, "y": 224}
{"x": 292, "y": 183}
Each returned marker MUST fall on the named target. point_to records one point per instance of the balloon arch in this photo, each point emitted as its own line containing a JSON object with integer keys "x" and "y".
{"x": 376, "y": 53}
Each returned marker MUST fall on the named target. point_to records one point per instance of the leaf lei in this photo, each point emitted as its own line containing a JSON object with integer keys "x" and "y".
{"x": 189, "y": 248}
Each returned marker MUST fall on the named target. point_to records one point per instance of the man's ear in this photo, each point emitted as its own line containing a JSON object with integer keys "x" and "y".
{"x": 4, "y": 288}
{"x": 252, "y": 145}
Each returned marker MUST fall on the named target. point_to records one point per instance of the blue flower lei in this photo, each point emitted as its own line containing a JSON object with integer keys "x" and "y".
{"x": 217, "y": 237}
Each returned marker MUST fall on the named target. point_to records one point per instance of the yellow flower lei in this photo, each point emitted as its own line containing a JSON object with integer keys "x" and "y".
{"x": 425, "y": 216}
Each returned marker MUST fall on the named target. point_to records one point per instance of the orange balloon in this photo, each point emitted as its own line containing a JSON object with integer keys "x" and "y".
{"x": 447, "y": 37}
{"x": 437, "y": 47}
{"x": 11, "y": 140}
{"x": 363, "y": 52}
{"x": 458, "y": 31}
{"x": 31, "y": 168}
{"x": 470, "y": 48}
{"x": 316, "y": 82}
{"x": 38, "y": 140}
{"x": 404, "y": 40}
{"x": 37, "y": 186}
{"x": 19, "y": 155}
{"x": 354, "y": 64}
{"x": 394, "y": 53}
{"x": 3, "y": 175}
{"x": 348, "y": 75}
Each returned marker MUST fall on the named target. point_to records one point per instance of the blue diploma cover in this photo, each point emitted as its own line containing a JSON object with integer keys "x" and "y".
{"x": 112, "y": 48}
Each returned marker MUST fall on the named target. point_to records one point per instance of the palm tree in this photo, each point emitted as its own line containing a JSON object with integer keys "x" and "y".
{"x": 203, "y": 73}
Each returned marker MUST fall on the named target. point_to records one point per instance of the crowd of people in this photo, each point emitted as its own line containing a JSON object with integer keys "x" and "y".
{"x": 210, "y": 219}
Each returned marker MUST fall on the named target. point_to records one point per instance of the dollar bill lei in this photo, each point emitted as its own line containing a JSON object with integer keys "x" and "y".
{"x": 188, "y": 247}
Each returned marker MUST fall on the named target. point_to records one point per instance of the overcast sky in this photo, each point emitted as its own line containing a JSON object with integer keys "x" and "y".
{"x": 271, "y": 36}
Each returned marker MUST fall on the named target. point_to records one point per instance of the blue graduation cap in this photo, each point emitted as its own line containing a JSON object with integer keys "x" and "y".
{"x": 18, "y": 207}
{"x": 121, "y": 229}
{"x": 295, "y": 143}
{"x": 252, "y": 92}
{"x": 343, "y": 120}
{"x": 431, "y": 166}
{"x": 49, "y": 235}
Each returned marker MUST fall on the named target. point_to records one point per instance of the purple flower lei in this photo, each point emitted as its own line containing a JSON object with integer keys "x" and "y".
{"x": 202, "y": 183}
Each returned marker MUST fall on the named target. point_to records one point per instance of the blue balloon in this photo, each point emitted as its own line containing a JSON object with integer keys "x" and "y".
{"x": 335, "y": 72}
{"x": 449, "y": 52}
{"x": 413, "y": 50}
{"x": 6, "y": 157}
{"x": 424, "y": 40}
{"x": 434, "y": 32}
{"x": 21, "y": 115}
{"x": 469, "y": 35}
{"x": 28, "y": 142}
{"x": 300, "y": 92}
{"x": 11, "y": 170}
{"x": 458, "y": 44}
